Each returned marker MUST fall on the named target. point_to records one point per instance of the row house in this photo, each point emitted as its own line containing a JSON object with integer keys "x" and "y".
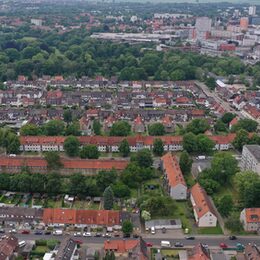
{"x": 251, "y": 112}
{"x": 39, "y": 165}
{"x": 111, "y": 143}
{"x": 173, "y": 177}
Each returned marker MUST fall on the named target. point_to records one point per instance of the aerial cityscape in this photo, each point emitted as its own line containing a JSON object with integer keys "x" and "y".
{"x": 129, "y": 130}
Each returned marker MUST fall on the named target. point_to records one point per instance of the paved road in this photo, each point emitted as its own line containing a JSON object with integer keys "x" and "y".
{"x": 214, "y": 95}
{"x": 212, "y": 241}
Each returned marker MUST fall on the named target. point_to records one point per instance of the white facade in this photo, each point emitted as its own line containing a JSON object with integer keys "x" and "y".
{"x": 250, "y": 160}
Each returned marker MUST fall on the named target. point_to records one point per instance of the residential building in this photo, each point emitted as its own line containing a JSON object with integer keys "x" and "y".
{"x": 251, "y": 252}
{"x": 233, "y": 122}
{"x": 40, "y": 165}
{"x": 67, "y": 250}
{"x": 250, "y": 219}
{"x": 251, "y": 158}
{"x": 244, "y": 23}
{"x": 202, "y": 207}
{"x": 8, "y": 247}
{"x": 199, "y": 252}
{"x": 173, "y": 177}
{"x": 83, "y": 218}
{"x": 252, "y": 10}
{"x": 127, "y": 249}
{"x": 138, "y": 125}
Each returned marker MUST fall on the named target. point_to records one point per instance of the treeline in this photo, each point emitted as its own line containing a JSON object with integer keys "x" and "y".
{"x": 36, "y": 53}
{"x": 138, "y": 171}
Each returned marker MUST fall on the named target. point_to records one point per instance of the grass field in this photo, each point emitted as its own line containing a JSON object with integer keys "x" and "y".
{"x": 210, "y": 230}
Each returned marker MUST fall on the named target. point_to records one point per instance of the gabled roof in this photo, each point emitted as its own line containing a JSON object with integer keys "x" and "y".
{"x": 172, "y": 170}
{"x": 202, "y": 203}
{"x": 121, "y": 246}
{"x": 199, "y": 252}
{"x": 7, "y": 247}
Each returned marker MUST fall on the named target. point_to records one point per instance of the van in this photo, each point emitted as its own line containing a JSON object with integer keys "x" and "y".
{"x": 22, "y": 243}
{"x": 57, "y": 232}
{"x": 165, "y": 244}
{"x": 153, "y": 230}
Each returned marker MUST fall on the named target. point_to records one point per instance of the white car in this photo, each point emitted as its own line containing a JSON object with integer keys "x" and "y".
{"x": 87, "y": 234}
{"x": 77, "y": 234}
{"x": 13, "y": 231}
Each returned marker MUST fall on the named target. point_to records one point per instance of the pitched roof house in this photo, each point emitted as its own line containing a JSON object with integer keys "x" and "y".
{"x": 202, "y": 207}
{"x": 251, "y": 252}
{"x": 173, "y": 178}
{"x": 8, "y": 246}
{"x": 250, "y": 219}
{"x": 199, "y": 252}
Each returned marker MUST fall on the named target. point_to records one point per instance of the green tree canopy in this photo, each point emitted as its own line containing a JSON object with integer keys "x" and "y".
{"x": 158, "y": 148}
{"x": 185, "y": 163}
{"x": 71, "y": 146}
{"x": 108, "y": 196}
{"x": 198, "y": 126}
{"x": 127, "y": 227}
{"x": 29, "y": 129}
{"x": 247, "y": 124}
{"x": 124, "y": 148}
{"x": 90, "y": 152}
{"x": 156, "y": 129}
{"x": 54, "y": 127}
{"x": 53, "y": 160}
{"x": 120, "y": 128}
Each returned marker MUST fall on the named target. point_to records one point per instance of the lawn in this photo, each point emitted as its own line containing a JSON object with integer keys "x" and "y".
{"x": 210, "y": 230}
{"x": 182, "y": 212}
{"x": 94, "y": 205}
{"x": 50, "y": 203}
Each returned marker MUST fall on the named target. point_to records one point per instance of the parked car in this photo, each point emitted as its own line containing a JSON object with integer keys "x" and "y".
{"x": 223, "y": 245}
{"x": 126, "y": 235}
{"x": 135, "y": 235}
{"x": 47, "y": 232}
{"x": 190, "y": 238}
{"x": 98, "y": 235}
{"x": 13, "y": 231}
{"x": 116, "y": 235}
{"x": 232, "y": 238}
{"x": 148, "y": 244}
{"x": 153, "y": 230}
{"x": 77, "y": 234}
{"x": 25, "y": 232}
{"x": 2, "y": 231}
{"x": 164, "y": 230}
{"x": 87, "y": 234}
{"x": 178, "y": 244}
{"x": 38, "y": 232}
{"x": 107, "y": 235}
{"x": 79, "y": 242}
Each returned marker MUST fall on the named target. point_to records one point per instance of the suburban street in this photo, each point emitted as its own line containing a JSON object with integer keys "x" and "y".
{"x": 211, "y": 241}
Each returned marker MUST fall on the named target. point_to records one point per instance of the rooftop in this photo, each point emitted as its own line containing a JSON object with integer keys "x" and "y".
{"x": 254, "y": 150}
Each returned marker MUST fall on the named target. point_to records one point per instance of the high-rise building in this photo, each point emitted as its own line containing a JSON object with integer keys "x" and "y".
{"x": 244, "y": 23}
{"x": 203, "y": 27}
{"x": 252, "y": 10}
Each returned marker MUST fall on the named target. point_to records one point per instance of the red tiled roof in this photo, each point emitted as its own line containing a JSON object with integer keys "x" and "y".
{"x": 198, "y": 253}
{"x": 121, "y": 246}
{"x": 233, "y": 121}
{"x": 87, "y": 217}
{"x": 182, "y": 100}
{"x": 202, "y": 203}
{"x": 138, "y": 120}
{"x": 172, "y": 169}
{"x": 67, "y": 163}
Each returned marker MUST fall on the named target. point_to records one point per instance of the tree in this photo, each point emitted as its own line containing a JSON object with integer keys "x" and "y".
{"x": 29, "y": 129}
{"x": 189, "y": 143}
{"x": 156, "y": 129}
{"x": 71, "y": 146}
{"x": 247, "y": 124}
{"x": 211, "y": 83}
{"x": 73, "y": 129}
{"x": 252, "y": 195}
{"x": 120, "y": 128}
{"x": 185, "y": 163}
{"x": 67, "y": 116}
{"x": 108, "y": 196}
{"x": 233, "y": 223}
{"x": 77, "y": 185}
{"x": 90, "y": 152}
{"x": 198, "y": 126}
{"x": 12, "y": 143}
{"x": 227, "y": 118}
{"x": 158, "y": 148}
{"x": 204, "y": 144}
{"x": 53, "y": 185}
{"x": 127, "y": 227}
{"x": 224, "y": 166}
{"x": 105, "y": 179}
{"x": 241, "y": 139}
{"x": 124, "y": 148}
{"x": 110, "y": 255}
{"x": 143, "y": 158}
{"x": 96, "y": 127}
{"x": 121, "y": 190}
{"x": 220, "y": 126}
{"x": 54, "y": 127}
{"x": 53, "y": 160}
{"x": 225, "y": 205}
{"x": 146, "y": 216}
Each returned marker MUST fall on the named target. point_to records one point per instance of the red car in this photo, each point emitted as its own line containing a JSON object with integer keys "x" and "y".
{"x": 25, "y": 232}
{"x": 148, "y": 244}
{"x": 79, "y": 242}
{"x": 223, "y": 245}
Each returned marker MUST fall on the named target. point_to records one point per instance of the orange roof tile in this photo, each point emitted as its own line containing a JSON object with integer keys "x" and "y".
{"x": 87, "y": 217}
{"x": 121, "y": 246}
{"x": 202, "y": 203}
{"x": 172, "y": 169}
